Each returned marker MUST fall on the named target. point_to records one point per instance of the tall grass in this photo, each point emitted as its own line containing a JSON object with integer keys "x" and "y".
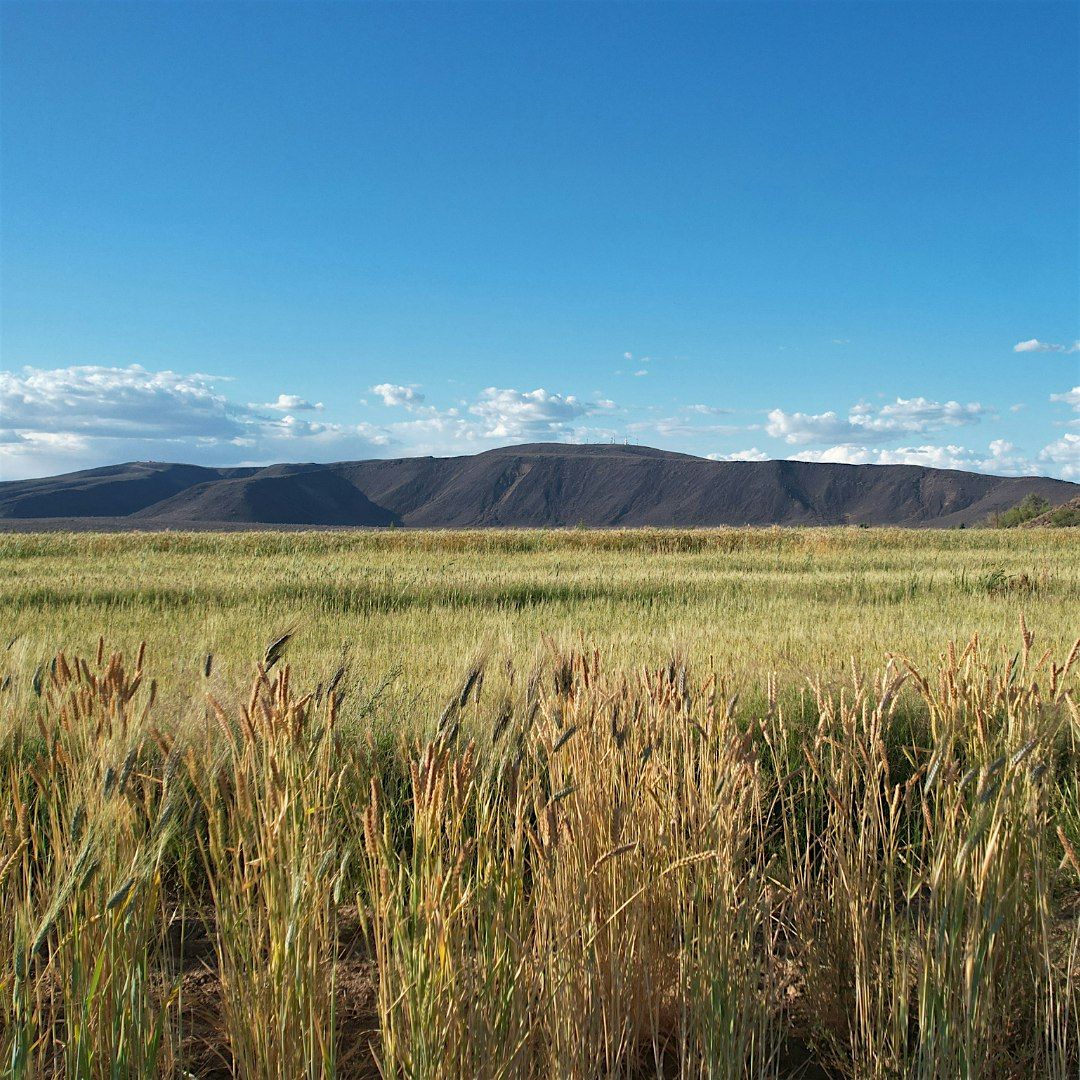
{"x": 581, "y": 861}
{"x": 85, "y": 828}
{"x": 272, "y": 853}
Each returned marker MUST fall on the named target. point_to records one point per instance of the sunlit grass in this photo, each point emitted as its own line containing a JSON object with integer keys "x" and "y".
{"x": 794, "y": 602}
{"x": 715, "y": 804}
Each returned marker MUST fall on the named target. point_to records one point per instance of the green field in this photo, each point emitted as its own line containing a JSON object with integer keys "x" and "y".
{"x": 746, "y": 603}
{"x": 522, "y": 804}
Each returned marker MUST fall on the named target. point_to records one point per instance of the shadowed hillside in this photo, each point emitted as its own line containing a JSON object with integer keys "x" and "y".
{"x": 539, "y": 485}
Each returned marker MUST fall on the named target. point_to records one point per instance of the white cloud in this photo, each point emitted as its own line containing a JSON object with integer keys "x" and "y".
{"x": 290, "y": 403}
{"x": 799, "y": 427}
{"x": 396, "y": 395}
{"x": 82, "y": 416}
{"x": 1070, "y": 397}
{"x": 1001, "y": 457}
{"x": 77, "y": 417}
{"x": 753, "y": 454}
{"x": 118, "y": 402}
{"x": 865, "y": 424}
{"x": 1062, "y": 457}
{"x": 39, "y": 453}
{"x": 503, "y": 414}
{"x": 916, "y": 414}
{"x": 1035, "y": 345}
{"x": 534, "y": 414}
{"x": 67, "y": 418}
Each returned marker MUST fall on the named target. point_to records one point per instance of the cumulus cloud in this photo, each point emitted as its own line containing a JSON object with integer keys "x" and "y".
{"x": 1035, "y": 345}
{"x": 80, "y": 416}
{"x": 868, "y": 434}
{"x": 1001, "y": 457}
{"x": 800, "y": 427}
{"x": 503, "y": 414}
{"x": 916, "y": 414}
{"x": 1070, "y": 397}
{"x": 753, "y": 454}
{"x": 396, "y": 395}
{"x": 1062, "y": 457}
{"x": 290, "y": 403}
{"x": 39, "y": 453}
{"x": 77, "y": 417}
{"x": 118, "y": 402}
{"x": 865, "y": 424}
{"x": 533, "y": 414}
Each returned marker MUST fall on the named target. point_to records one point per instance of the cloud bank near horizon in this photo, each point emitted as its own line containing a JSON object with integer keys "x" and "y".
{"x": 61, "y": 419}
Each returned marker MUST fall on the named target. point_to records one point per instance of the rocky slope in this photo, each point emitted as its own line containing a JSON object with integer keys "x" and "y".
{"x": 539, "y": 485}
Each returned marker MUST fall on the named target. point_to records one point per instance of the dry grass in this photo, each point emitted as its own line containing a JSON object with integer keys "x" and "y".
{"x": 621, "y": 877}
{"x": 575, "y": 861}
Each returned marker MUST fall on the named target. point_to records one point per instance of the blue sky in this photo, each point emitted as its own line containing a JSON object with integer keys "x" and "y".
{"x": 263, "y": 232}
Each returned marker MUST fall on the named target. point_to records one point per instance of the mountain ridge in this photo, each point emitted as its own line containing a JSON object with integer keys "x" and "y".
{"x": 530, "y": 485}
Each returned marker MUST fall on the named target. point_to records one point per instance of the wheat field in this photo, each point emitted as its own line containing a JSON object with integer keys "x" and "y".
{"x": 581, "y": 804}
